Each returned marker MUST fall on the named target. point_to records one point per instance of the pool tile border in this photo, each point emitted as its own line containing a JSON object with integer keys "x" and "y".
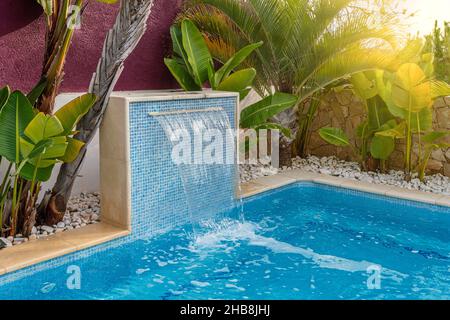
{"x": 40, "y": 250}
{"x": 267, "y": 183}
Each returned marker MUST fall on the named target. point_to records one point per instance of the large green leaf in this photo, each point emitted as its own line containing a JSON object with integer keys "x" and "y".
{"x": 381, "y": 147}
{"x": 238, "y": 81}
{"x": 196, "y": 50}
{"x": 411, "y": 91}
{"x": 439, "y": 89}
{"x": 177, "y": 45}
{"x": 57, "y": 148}
{"x": 42, "y": 163}
{"x": 47, "y": 5}
{"x": 274, "y": 126}
{"x": 362, "y": 129}
{"x": 4, "y": 95}
{"x": 36, "y": 92}
{"x": 378, "y": 113}
{"x": 234, "y": 62}
{"x": 244, "y": 93}
{"x": 30, "y": 150}
{"x": 432, "y": 137}
{"x": 334, "y": 136}
{"x": 421, "y": 121}
{"x": 181, "y": 74}
{"x": 384, "y": 84}
{"x": 71, "y": 113}
{"x": 14, "y": 117}
{"x": 363, "y": 86}
{"x": 73, "y": 149}
{"x": 260, "y": 112}
{"x": 42, "y": 174}
{"x": 42, "y": 127}
{"x": 396, "y": 132}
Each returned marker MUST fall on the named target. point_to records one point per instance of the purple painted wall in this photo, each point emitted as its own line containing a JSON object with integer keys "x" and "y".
{"x": 22, "y": 33}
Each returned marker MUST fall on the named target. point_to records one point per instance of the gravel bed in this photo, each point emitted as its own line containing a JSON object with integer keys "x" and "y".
{"x": 81, "y": 211}
{"x": 339, "y": 168}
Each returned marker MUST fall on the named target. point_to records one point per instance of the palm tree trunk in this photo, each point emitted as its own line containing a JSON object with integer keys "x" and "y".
{"x": 121, "y": 40}
{"x": 285, "y": 152}
{"x": 287, "y": 119}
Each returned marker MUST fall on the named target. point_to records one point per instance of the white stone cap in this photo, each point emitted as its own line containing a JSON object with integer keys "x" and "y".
{"x": 154, "y": 95}
{"x": 159, "y": 95}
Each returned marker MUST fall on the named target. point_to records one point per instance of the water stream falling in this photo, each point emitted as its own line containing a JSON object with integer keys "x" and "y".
{"x": 204, "y": 150}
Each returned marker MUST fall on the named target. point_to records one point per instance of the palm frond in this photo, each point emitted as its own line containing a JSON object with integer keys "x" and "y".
{"x": 299, "y": 35}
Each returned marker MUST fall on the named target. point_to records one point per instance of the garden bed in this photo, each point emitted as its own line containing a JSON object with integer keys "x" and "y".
{"x": 332, "y": 166}
{"x": 82, "y": 210}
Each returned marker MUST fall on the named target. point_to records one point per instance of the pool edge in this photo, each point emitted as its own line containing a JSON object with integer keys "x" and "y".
{"x": 57, "y": 245}
{"x": 267, "y": 183}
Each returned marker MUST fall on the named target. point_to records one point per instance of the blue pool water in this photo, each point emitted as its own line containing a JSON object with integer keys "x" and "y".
{"x": 304, "y": 241}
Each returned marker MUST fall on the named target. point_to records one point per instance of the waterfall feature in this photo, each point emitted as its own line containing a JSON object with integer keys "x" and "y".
{"x": 204, "y": 150}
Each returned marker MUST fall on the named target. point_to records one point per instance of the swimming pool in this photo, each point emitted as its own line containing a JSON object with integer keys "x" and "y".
{"x": 303, "y": 241}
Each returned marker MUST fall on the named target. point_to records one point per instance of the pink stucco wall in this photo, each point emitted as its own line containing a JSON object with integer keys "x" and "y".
{"x": 22, "y": 42}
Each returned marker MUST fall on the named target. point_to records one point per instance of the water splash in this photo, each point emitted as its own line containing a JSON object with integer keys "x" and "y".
{"x": 212, "y": 158}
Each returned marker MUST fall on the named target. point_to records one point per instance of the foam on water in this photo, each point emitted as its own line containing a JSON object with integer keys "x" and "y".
{"x": 247, "y": 231}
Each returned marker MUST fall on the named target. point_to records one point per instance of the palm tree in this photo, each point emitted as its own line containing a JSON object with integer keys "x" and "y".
{"x": 308, "y": 45}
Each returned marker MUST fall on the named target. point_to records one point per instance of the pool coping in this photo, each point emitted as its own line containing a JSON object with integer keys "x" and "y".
{"x": 56, "y": 245}
{"x": 266, "y": 183}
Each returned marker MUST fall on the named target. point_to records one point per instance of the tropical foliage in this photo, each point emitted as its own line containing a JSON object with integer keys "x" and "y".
{"x": 308, "y": 45}
{"x": 31, "y": 143}
{"x": 410, "y": 93}
{"x": 399, "y": 105}
{"x": 192, "y": 66}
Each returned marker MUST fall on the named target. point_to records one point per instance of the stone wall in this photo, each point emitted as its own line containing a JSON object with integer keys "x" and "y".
{"x": 346, "y": 111}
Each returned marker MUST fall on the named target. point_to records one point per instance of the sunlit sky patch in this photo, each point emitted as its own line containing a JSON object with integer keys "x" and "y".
{"x": 426, "y": 12}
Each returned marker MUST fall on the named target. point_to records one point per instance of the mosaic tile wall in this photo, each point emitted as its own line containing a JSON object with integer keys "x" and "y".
{"x": 158, "y": 199}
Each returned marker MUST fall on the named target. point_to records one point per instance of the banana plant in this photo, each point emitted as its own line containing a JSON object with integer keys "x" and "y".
{"x": 33, "y": 142}
{"x": 258, "y": 115}
{"x": 192, "y": 64}
{"x": 378, "y": 118}
{"x": 61, "y": 18}
{"x": 410, "y": 93}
